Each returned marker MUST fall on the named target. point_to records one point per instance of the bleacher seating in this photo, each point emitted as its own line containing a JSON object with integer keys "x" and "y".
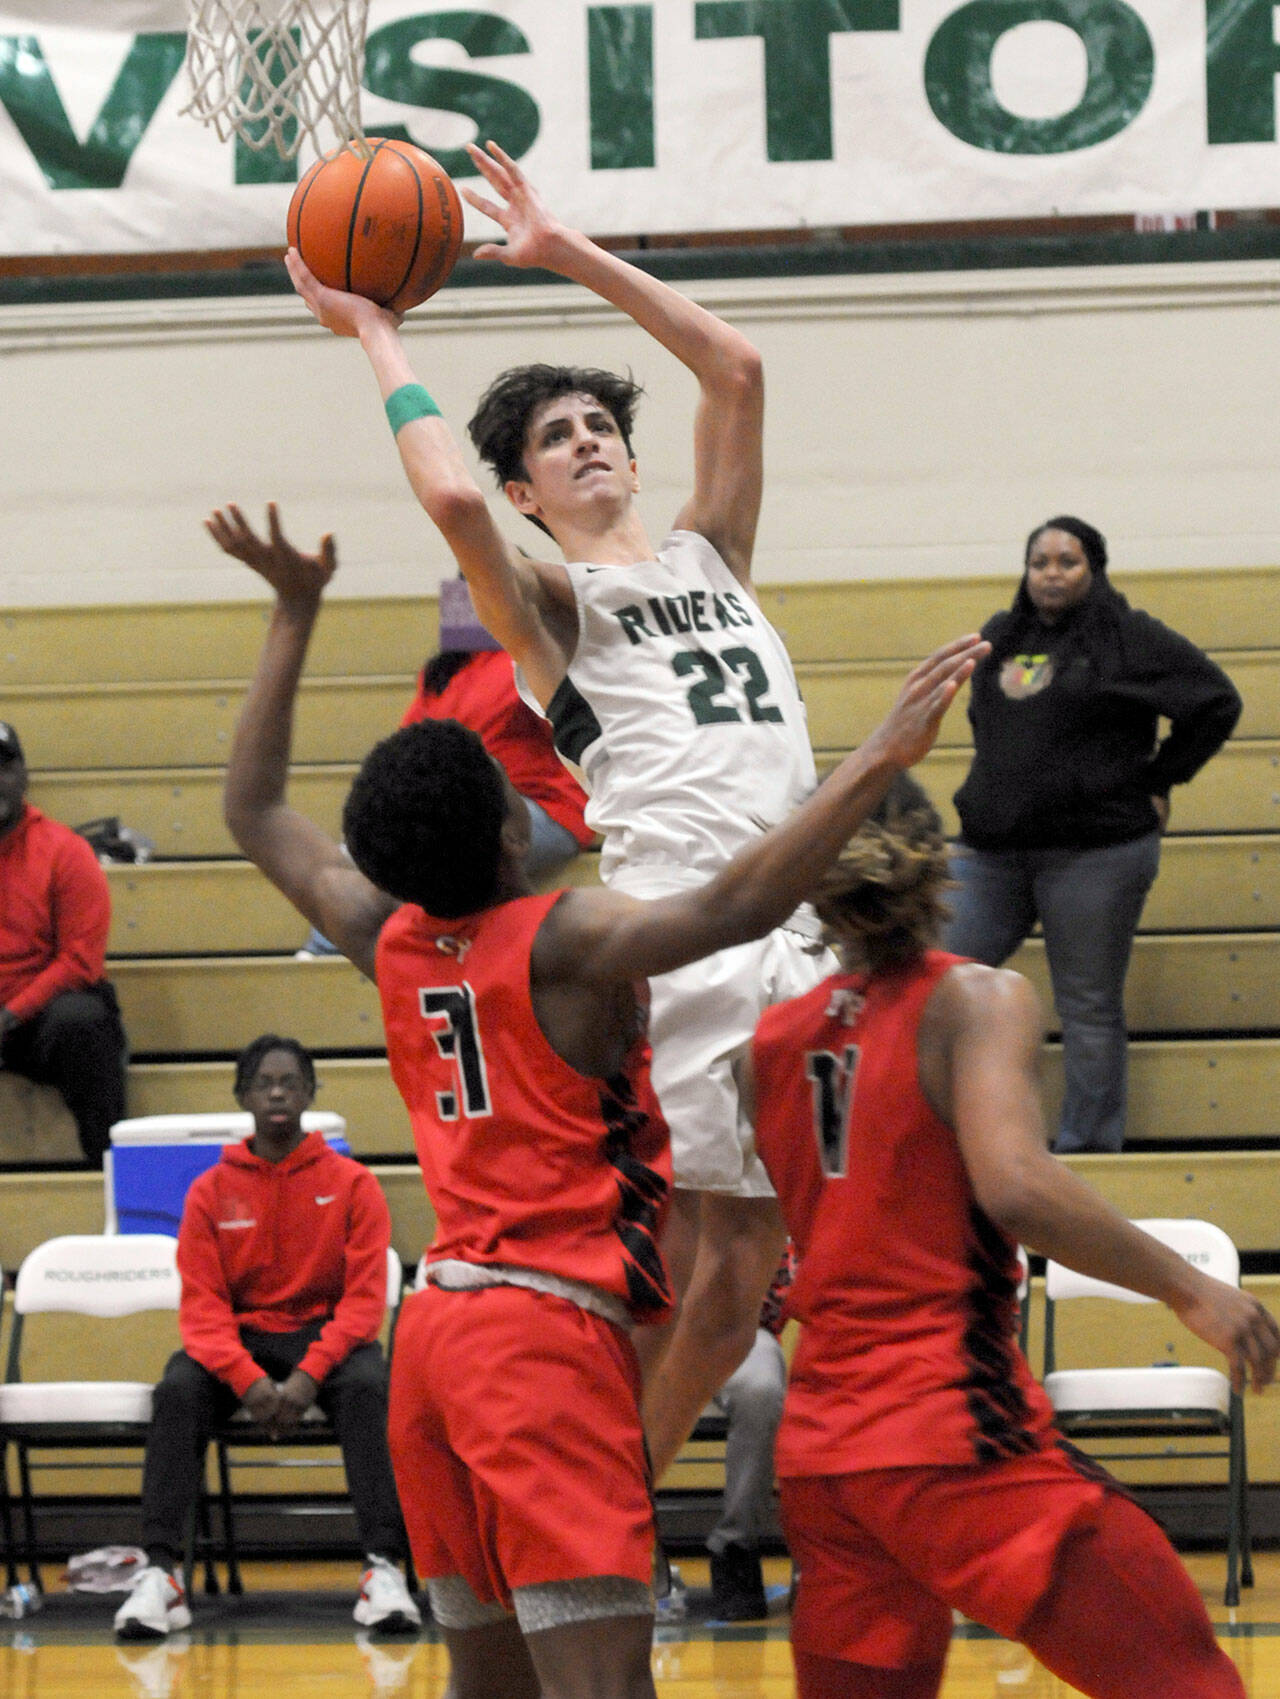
{"x": 129, "y": 711}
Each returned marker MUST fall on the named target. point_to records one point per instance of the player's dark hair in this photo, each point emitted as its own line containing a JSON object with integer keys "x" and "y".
{"x": 423, "y": 819}
{"x": 250, "y": 1060}
{"x": 500, "y": 423}
{"x": 442, "y": 667}
{"x": 882, "y": 903}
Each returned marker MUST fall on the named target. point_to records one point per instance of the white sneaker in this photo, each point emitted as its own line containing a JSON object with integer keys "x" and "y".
{"x": 156, "y": 1605}
{"x": 384, "y": 1601}
{"x": 388, "y": 1667}
{"x": 155, "y": 1669}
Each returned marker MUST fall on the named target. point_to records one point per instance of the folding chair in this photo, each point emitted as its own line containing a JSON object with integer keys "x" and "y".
{"x": 96, "y": 1275}
{"x": 1163, "y": 1403}
{"x": 240, "y": 1434}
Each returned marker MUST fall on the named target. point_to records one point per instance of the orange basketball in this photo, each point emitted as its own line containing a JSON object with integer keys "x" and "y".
{"x": 388, "y": 225}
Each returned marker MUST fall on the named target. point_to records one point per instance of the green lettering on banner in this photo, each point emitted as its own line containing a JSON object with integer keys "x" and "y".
{"x": 501, "y": 111}
{"x": 30, "y": 97}
{"x": 620, "y": 80}
{"x": 797, "y": 60}
{"x": 1241, "y": 64}
{"x": 957, "y": 74}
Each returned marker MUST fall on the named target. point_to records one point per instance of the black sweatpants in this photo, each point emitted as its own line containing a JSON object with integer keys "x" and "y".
{"x": 77, "y": 1043}
{"x": 190, "y": 1402}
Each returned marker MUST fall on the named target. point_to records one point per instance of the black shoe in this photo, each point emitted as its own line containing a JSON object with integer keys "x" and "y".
{"x": 737, "y": 1586}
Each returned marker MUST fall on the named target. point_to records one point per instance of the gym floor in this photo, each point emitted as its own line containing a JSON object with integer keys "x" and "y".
{"x": 293, "y": 1629}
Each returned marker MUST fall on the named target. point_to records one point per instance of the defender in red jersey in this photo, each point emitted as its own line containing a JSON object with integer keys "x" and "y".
{"x": 515, "y": 1028}
{"x": 898, "y": 1113}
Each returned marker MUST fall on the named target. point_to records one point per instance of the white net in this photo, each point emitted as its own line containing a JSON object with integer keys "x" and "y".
{"x": 275, "y": 72}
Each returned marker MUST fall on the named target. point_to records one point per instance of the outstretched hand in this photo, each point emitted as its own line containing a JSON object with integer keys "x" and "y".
{"x": 1235, "y": 1323}
{"x": 342, "y": 313}
{"x": 911, "y": 725}
{"x": 293, "y": 575}
{"x": 529, "y": 227}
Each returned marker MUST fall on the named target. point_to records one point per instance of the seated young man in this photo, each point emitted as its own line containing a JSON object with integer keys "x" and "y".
{"x": 59, "y": 1018}
{"x": 516, "y": 1034}
{"x": 283, "y": 1256}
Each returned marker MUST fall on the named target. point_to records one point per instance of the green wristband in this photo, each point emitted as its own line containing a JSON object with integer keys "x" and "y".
{"x": 410, "y": 401}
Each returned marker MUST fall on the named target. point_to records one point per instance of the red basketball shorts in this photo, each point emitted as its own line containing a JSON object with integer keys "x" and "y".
{"x": 516, "y": 1441}
{"x": 885, "y": 1554}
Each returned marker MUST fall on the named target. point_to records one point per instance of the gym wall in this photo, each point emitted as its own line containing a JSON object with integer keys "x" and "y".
{"x": 916, "y": 424}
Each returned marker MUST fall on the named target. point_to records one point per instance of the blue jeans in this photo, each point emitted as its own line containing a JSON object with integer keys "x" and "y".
{"x": 1088, "y": 903}
{"x": 752, "y": 1400}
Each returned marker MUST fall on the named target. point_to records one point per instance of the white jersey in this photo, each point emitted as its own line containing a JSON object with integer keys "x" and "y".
{"x": 682, "y": 709}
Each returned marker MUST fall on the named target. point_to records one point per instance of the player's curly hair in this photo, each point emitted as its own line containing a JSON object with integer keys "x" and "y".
{"x": 882, "y": 903}
{"x": 423, "y": 818}
{"x": 250, "y": 1060}
{"x": 500, "y": 424}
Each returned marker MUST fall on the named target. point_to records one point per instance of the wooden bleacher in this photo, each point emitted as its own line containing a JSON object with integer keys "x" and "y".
{"x": 129, "y": 711}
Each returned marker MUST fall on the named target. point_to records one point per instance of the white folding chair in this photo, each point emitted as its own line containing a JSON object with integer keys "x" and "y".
{"x": 315, "y": 1429}
{"x": 1162, "y": 1403}
{"x": 85, "y": 1274}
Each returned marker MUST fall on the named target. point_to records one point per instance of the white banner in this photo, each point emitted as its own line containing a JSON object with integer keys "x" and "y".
{"x": 675, "y": 116}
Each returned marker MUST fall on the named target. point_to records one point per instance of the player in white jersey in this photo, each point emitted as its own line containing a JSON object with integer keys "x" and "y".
{"x": 660, "y": 672}
{"x": 681, "y": 706}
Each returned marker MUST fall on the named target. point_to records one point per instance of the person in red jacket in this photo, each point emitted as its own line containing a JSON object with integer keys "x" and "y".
{"x": 282, "y": 1251}
{"x": 59, "y": 1019}
{"x": 471, "y": 679}
{"x": 897, "y": 1109}
{"x": 516, "y": 1034}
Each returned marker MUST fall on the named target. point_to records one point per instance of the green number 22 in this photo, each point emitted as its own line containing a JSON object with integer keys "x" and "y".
{"x": 712, "y": 684}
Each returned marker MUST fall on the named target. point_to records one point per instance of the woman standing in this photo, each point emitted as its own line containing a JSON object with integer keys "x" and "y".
{"x": 1062, "y": 810}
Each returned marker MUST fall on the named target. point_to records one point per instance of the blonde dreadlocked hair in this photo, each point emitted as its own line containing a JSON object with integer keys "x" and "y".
{"x": 882, "y": 903}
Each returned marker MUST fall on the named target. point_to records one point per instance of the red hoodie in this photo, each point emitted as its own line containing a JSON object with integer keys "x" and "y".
{"x": 55, "y": 913}
{"x": 275, "y": 1245}
{"x": 482, "y": 695}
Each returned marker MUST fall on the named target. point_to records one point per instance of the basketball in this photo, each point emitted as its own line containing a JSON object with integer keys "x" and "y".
{"x": 387, "y": 225}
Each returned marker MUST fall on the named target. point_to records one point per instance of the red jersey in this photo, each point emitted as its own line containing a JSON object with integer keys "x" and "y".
{"x": 275, "y": 1245}
{"x": 482, "y": 695}
{"x": 526, "y": 1161}
{"x": 54, "y": 916}
{"x": 907, "y": 1292}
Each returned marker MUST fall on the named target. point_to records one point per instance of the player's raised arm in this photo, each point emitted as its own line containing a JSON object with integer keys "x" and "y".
{"x": 728, "y": 428}
{"x": 610, "y": 937}
{"x": 507, "y": 588}
{"x": 989, "y": 1029}
{"x": 297, "y": 857}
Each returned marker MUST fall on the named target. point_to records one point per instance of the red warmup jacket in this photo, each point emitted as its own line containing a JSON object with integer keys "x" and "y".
{"x": 482, "y": 695}
{"x": 275, "y": 1245}
{"x": 55, "y": 913}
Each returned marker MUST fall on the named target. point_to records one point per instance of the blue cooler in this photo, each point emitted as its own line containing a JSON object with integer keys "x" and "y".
{"x": 154, "y": 1158}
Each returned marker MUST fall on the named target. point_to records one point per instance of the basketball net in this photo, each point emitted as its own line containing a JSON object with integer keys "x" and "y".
{"x": 276, "y": 71}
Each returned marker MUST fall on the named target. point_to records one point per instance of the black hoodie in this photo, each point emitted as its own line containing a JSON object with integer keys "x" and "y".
{"x": 1072, "y": 760}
